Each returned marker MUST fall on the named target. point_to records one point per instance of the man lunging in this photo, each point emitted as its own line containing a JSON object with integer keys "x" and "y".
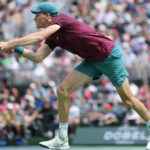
{"x": 101, "y": 56}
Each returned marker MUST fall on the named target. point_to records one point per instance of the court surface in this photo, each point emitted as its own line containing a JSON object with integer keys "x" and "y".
{"x": 80, "y": 148}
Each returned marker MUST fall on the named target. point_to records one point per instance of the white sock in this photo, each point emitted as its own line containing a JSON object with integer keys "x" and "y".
{"x": 63, "y": 129}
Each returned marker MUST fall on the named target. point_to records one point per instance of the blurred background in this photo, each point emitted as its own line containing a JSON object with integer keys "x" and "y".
{"x": 28, "y": 102}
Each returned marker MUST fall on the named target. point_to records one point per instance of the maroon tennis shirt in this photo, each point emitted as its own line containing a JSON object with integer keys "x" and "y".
{"x": 78, "y": 38}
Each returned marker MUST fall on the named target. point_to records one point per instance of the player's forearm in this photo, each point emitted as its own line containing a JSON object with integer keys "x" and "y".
{"x": 35, "y": 57}
{"x": 30, "y": 39}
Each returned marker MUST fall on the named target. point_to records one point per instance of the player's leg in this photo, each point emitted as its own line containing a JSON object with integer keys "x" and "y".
{"x": 114, "y": 68}
{"x": 73, "y": 81}
{"x": 83, "y": 73}
{"x": 130, "y": 101}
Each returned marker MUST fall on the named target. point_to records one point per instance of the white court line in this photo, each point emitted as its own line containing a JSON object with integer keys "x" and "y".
{"x": 78, "y": 148}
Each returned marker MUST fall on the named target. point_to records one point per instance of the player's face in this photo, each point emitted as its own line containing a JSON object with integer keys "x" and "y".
{"x": 42, "y": 20}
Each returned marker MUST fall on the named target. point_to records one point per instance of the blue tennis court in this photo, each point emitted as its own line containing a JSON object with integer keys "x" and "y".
{"x": 80, "y": 148}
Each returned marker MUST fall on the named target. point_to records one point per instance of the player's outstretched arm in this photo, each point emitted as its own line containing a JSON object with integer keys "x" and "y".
{"x": 38, "y": 56}
{"x": 30, "y": 39}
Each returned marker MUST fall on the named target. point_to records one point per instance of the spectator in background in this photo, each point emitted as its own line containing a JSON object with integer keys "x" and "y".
{"x": 74, "y": 117}
{"x": 30, "y": 123}
{"x": 47, "y": 116}
{"x": 3, "y": 135}
{"x": 132, "y": 118}
{"x": 109, "y": 118}
{"x": 130, "y": 59}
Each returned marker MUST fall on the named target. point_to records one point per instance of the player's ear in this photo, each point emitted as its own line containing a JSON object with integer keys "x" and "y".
{"x": 48, "y": 15}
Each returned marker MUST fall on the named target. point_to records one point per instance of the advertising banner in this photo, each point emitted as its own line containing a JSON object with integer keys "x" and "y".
{"x": 111, "y": 135}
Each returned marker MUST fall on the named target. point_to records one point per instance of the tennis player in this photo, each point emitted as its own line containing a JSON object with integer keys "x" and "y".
{"x": 101, "y": 56}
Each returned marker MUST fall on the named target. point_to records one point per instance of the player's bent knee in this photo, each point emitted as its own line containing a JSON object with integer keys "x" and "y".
{"x": 61, "y": 91}
{"x": 129, "y": 102}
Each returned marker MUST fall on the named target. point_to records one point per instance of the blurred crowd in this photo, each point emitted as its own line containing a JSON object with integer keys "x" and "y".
{"x": 34, "y": 113}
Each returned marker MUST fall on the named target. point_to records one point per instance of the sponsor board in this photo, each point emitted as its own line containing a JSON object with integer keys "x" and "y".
{"x": 111, "y": 135}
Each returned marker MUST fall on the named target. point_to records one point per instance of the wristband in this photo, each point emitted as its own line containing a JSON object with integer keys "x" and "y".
{"x": 19, "y": 50}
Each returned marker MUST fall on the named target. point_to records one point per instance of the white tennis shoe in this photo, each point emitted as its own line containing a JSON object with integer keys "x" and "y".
{"x": 148, "y": 145}
{"x": 56, "y": 144}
